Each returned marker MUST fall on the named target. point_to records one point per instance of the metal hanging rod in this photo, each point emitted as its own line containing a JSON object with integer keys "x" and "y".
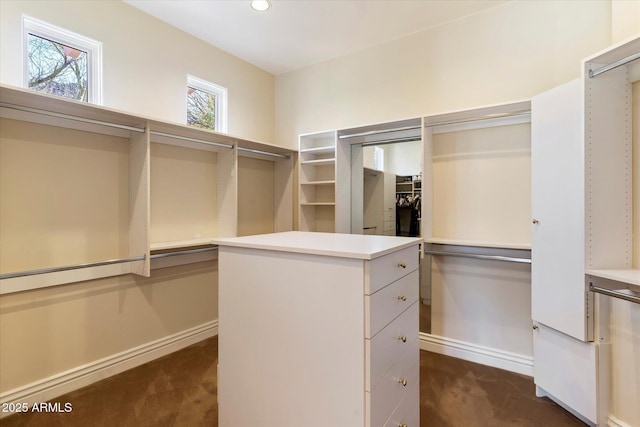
{"x": 188, "y": 252}
{"x": 70, "y": 267}
{"x": 70, "y": 117}
{"x": 392, "y": 141}
{"x": 266, "y": 153}
{"x": 479, "y": 256}
{"x": 185, "y": 138}
{"x": 376, "y": 132}
{"x": 613, "y": 293}
{"x": 616, "y": 64}
{"x": 522, "y": 113}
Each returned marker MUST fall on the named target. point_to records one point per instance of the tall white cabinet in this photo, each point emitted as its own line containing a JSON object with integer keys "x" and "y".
{"x": 581, "y": 228}
{"x": 322, "y": 330}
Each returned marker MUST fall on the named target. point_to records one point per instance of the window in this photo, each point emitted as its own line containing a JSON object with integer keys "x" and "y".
{"x": 206, "y": 105}
{"x": 59, "y": 62}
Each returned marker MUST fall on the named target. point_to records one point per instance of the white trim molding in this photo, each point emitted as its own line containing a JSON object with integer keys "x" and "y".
{"x": 84, "y": 375}
{"x": 476, "y": 353}
{"x": 614, "y": 422}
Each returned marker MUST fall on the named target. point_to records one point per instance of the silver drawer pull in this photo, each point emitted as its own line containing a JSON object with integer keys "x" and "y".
{"x": 403, "y": 338}
{"x": 402, "y": 425}
{"x": 402, "y": 298}
{"x": 402, "y": 265}
{"x": 403, "y": 381}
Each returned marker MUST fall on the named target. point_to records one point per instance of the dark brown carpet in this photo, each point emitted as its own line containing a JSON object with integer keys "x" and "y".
{"x": 180, "y": 390}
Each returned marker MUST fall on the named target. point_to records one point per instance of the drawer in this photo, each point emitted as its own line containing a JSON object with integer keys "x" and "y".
{"x": 407, "y": 413}
{"x": 384, "y": 398}
{"x": 389, "y": 226}
{"x": 381, "y": 271}
{"x": 386, "y": 304}
{"x": 390, "y": 216}
{"x": 388, "y": 345}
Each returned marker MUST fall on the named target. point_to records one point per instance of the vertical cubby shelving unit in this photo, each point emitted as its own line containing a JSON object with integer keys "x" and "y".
{"x": 318, "y": 195}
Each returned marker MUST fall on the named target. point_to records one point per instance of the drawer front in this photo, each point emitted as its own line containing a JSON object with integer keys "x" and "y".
{"x": 384, "y": 398}
{"x": 407, "y": 413}
{"x": 384, "y": 349}
{"x": 381, "y": 271}
{"x": 390, "y": 226}
{"x": 390, "y": 216}
{"x": 387, "y": 304}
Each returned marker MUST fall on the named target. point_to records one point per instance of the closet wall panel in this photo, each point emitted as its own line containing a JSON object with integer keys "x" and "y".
{"x": 482, "y": 181}
{"x": 625, "y": 316}
{"x": 64, "y": 196}
{"x": 256, "y": 189}
{"x": 183, "y": 193}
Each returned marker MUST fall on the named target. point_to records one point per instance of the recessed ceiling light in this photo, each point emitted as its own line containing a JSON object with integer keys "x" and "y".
{"x": 260, "y": 5}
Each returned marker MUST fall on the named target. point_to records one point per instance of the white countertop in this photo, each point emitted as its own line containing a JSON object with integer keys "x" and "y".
{"x": 329, "y": 244}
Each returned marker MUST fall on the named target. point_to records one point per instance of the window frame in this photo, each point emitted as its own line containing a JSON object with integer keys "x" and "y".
{"x": 93, "y": 48}
{"x": 220, "y": 94}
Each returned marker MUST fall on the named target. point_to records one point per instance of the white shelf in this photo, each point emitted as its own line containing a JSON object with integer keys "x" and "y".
{"x": 318, "y": 204}
{"x": 629, "y": 276}
{"x": 319, "y": 162}
{"x": 319, "y": 150}
{"x": 478, "y": 243}
{"x": 178, "y": 244}
{"x": 329, "y": 182}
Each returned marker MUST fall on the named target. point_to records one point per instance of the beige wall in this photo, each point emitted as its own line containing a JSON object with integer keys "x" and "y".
{"x": 51, "y": 330}
{"x": 510, "y": 52}
{"x": 146, "y": 62}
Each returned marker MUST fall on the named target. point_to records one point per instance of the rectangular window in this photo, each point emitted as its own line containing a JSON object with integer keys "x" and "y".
{"x": 62, "y": 63}
{"x": 206, "y": 105}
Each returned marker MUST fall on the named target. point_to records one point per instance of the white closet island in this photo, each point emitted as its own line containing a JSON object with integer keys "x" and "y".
{"x": 318, "y": 329}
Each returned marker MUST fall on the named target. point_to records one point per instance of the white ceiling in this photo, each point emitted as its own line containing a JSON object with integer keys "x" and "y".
{"x": 293, "y": 34}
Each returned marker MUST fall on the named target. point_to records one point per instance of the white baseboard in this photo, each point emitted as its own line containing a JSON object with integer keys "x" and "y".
{"x": 614, "y": 422}
{"x": 475, "y": 353}
{"x": 81, "y": 376}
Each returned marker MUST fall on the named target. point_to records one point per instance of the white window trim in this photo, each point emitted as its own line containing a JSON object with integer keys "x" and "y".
{"x": 92, "y": 47}
{"x": 221, "y": 100}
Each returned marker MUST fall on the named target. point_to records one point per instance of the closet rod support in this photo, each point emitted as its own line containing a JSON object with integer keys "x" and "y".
{"x": 70, "y": 117}
{"x": 265, "y": 153}
{"x": 376, "y": 132}
{"x": 479, "y": 256}
{"x": 188, "y": 252}
{"x": 616, "y": 64}
{"x": 185, "y": 138}
{"x": 70, "y": 267}
{"x": 614, "y": 293}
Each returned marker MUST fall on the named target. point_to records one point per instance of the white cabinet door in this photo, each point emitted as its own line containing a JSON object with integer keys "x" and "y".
{"x": 559, "y": 295}
{"x": 566, "y": 371}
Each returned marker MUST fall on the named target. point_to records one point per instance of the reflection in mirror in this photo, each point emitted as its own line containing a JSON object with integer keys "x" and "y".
{"x": 391, "y": 175}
